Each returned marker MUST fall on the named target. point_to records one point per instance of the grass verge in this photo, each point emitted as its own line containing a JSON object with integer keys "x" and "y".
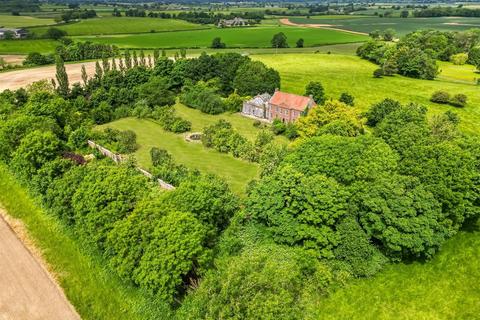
{"x": 91, "y": 287}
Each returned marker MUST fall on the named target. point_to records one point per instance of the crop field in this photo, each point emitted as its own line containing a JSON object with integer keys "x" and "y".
{"x": 445, "y": 288}
{"x": 123, "y": 25}
{"x": 27, "y": 46}
{"x": 236, "y": 37}
{"x": 9, "y": 21}
{"x": 400, "y": 25}
{"x": 194, "y": 155}
{"x": 344, "y": 73}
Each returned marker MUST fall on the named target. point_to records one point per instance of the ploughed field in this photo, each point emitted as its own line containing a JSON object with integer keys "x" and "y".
{"x": 400, "y": 25}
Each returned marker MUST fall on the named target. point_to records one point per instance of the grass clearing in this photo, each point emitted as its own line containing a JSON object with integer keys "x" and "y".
{"x": 446, "y": 287}
{"x": 465, "y": 73}
{"x": 121, "y": 25}
{"x": 27, "y": 46}
{"x": 89, "y": 284}
{"x": 250, "y": 37}
{"x": 194, "y": 155}
{"x": 344, "y": 73}
{"x": 9, "y": 21}
{"x": 401, "y": 25}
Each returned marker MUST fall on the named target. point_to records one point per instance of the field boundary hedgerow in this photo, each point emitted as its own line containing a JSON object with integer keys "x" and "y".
{"x": 84, "y": 276}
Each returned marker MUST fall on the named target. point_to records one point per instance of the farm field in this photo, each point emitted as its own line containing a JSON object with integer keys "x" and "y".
{"x": 236, "y": 37}
{"x": 194, "y": 155}
{"x": 27, "y": 46}
{"x": 9, "y": 21}
{"x": 401, "y": 25}
{"x": 446, "y": 287}
{"x": 345, "y": 73}
{"x": 123, "y": 25}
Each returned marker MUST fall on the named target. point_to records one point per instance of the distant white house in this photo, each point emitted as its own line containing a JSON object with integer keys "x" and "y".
{"x": 235, "y": 22}
{"x": 17, "y": 33}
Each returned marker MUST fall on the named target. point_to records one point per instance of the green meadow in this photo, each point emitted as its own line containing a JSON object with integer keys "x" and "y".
{"x": 27, "y": 46}
{"x": 348, "y": 73}
{"x": 121, "y": 25}
{"x": 255, "y": 37}
{"x": 401, "y": 25}
{"x": 9, "y": 21}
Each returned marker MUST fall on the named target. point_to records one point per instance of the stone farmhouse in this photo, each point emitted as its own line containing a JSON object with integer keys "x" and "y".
{"x": 17, "y": 33}
{"x": 284, "y": 106}
{"x": 235, "y": 22}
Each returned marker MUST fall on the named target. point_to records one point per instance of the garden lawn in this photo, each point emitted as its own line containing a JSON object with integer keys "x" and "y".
{"x": 95, "y": 292}
{"x": 344, "y": 73}
{"x": 27, "y": 46}
{"x": 121, "y": 25}
{"x": 9, "y": 21}
{"x": 447, "y": 287}
{"x": 194, "y": 155}
{"x": 401, "y": 25}
{"x": 250, "y": 37}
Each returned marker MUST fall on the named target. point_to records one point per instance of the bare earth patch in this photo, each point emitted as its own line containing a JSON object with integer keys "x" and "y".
{"x": 27, "y": 290}
{"x": 13, "y": 58}
{"x": 16, "y": 79}
{"x": 287, "y": 22}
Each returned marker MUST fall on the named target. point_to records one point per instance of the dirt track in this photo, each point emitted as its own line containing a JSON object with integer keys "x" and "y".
{"x": 287, "y": 22}
{"x": 20, "y": 78}
{"x": 27, "y": 291}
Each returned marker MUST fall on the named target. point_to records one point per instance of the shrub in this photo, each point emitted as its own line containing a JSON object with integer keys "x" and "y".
{"x": 380, "y": 110}
{"x": 440, "y": 97}
{"x": 459, "y": 100}
{"x": 459, "y": 58}
{"x": 278, "y": 126}
{"x": 378, "y": 73}
{"x": 347, "y": 98}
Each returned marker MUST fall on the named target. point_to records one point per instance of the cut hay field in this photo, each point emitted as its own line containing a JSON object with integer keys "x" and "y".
{"x": 235, "y": 37}
{"x": 121, "y": 25}
{"x": 194, "y": 155}
{"x": 9, "y": 21}
{"x": 400, "y": 25}
{"x": 27, "y": 46}
{"x": 344, "y": 73}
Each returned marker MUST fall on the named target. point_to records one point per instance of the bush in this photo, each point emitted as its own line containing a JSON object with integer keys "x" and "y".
{"x": 378, "y": 73}
{"x": 37, "y": 59}
{"x": 203, "y": 98}
{"x": 347, "y": 98}
{"x": 440, "y": 97}
{"x": 169, "y": 122}
{"x": 459, "y": 100}
{"x": 459, "y": 58}
{"x": 278, "y": 126}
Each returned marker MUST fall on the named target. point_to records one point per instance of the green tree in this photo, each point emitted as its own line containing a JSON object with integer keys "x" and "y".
{"x": 316, "y": 90}
{"x": 298, "y": 209}
{"x": 55, "y": 33}
{"x": 380, "y": 110}
{"x": 62, "y": 77}
{"x": 347, "y": 98}
{"x": 279, "y": 40}
{"x": 253, "y": 77}
{"x": 217, "y": 43}
{"x": 388, "y": 34}
{"x": 300, "y": 43}
{"x": 156, "y": 92}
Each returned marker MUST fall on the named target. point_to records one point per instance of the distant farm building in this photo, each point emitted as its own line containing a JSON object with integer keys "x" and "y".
{"x": 15, "y": 33}
{"x": 284, "y": 106}
{"x": 235, "y": 22}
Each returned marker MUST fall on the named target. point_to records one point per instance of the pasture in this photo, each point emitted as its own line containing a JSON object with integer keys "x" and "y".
{"x": 123, "y": 25}
{"x": 344, "y": 73}
{"x": 27, "y": 46}
{"x": 9, "y": 21}
{"x": 252, "y": 37}
{"x": 401, "y": 25}
{"x": 194, "y": 155}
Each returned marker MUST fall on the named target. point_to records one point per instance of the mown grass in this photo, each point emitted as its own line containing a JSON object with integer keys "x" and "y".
{"x": 27, "y": 46}
{"x": 345, "y": 73}
{"x": 465, "y": 73}
{"x": 92, "y": 288}
{"x": 194, "y": 155}
{"x": 401, "y": 25}
{"x": 446, "y": 287}
{"x": 250, "y": 37}
{"x": 121, "y": 25}
{"x": 9, "y": 21}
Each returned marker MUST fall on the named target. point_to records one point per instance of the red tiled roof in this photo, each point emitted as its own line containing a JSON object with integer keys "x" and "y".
{"x": 290, "y": 101}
